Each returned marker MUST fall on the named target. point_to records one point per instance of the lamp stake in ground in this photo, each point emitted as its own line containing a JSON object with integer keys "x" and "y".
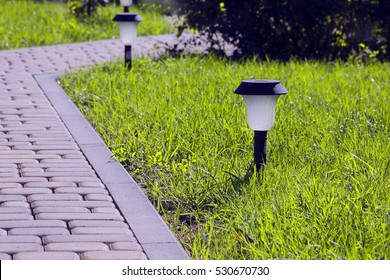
{"x": 260, "y": 148}
{"x": 260, "y": 98}
{"x": 128, "y": 57}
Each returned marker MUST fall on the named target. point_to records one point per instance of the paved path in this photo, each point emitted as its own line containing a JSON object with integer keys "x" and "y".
{"x": 61, "y": 194}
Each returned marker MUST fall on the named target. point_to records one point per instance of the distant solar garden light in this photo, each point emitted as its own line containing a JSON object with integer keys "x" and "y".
{"x": 260, "y": 98}
{"x": 127, "y": 23}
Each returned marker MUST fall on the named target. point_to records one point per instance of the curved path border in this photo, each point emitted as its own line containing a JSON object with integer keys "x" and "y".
{"x": 62, "y": 195}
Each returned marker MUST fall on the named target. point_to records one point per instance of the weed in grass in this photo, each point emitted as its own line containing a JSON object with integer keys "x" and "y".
{"x": 324, "y": 193}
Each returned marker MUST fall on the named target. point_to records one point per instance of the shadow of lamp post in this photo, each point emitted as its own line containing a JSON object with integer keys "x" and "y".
{"x": 260, "y": 98}
{"x": 127, "y": 23}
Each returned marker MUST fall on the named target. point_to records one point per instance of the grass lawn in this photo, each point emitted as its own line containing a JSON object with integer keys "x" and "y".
{"x": 26, "y": 23}
{"x": 182, "y": 134}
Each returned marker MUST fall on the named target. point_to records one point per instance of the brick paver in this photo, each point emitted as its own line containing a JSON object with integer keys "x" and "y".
{"x": 53, "y": 205}
{"x": 119, "y": 255}
{"x": 5, "y": 256}
{"x": 46, "y": 256}
{"x": 20, "y": 239}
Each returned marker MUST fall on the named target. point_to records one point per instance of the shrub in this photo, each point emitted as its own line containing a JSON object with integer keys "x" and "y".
{"x": 328, "y": 29}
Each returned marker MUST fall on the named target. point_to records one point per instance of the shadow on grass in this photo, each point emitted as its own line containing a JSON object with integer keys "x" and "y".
{"x": 238, "y": 182}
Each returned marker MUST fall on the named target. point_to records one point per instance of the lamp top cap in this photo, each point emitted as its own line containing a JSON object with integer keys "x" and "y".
{"x": 128, "y": 17}
{"x": 126, "y": 2}
{"x": 260, "y": 87}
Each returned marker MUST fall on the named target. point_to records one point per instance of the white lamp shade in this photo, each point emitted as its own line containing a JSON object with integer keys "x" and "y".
{"x": 260, "y": 111}
{"x": 126, "y": 3}
{"x": 260, "y": 98}
{"x": 127, "y": 31}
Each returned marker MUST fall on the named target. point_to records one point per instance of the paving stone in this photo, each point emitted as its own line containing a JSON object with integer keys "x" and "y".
{"x": 43, "y": 116}
{"x": 9, "y": 175}
{"x": 24, "y": 128}
{"x": 13, "y": 152}
{"x": 106, "y": 238}
{"x": 77, "y": 216}
{"x": 5, "y": 257}
{"x": 64, "y": 161}
{"x": 10, "y": 185}
{"x": 32, "y": 156}
{"x": 8, "y": 165}
{"x": 59, "y": 152}
{"x": 36, "y": 111}
{"x": 46, "y": 256}
{"x": 18, "y": 160}
{"x": 74, "y": 179}
{"x": 73, "y": 156}
{"x": 101, "y": 230}
{"x": 98, "y": 197}
{"x": 12, "y": 144}
{"x": 57, "y": 209}
{"x": 15, "y": 216}
{"x": 71, "y": 169}
{"x": 15, "y": 204}
{"x": 59, "y": 165}
{"x": 113, "y": 255}
{"x": 58, "y": 143}
{"x": 9, "y": 111}
{"x": 23, "y": 180}
{"x": 32, "y": 223}
{"x": 53, "y": 122}
{"x": 25, "y": 191}
{"x": 31, "y": 169}
{"x": 9, "y": 197}
{"x": 125, "y": 246}
{"x": 41, "y": 231}
{"x": 107, "y": 210}
{"x": 20, "y": 239}
{"x": 76, "y": 247}
{"x": 91, "y": 185}
{"x": 86, "y": 204}
{"x": 81, "y": 191}
{"x": 20, "y": 210}
{"x": 44, "y": 147}
{"x": 59, "y": 174}
{"x": 54, "y": 197}
{"x": 49, "y": 185}
{"x": 35, "y": 140}
{"x": 97, "y": 223}
{"x": 13, "y": 248}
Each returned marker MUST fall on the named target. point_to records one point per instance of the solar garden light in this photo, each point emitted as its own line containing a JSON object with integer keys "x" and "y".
{"x": 127, "y": 23}
{"x": 260, "y": 98}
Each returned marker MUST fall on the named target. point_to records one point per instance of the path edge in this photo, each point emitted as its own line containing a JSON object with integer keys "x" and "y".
{"x": 152, "y": 233}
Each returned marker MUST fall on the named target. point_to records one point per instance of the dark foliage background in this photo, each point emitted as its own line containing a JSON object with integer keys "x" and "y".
{"x": 279, "y": 29}
{"x": 321, "y": 29}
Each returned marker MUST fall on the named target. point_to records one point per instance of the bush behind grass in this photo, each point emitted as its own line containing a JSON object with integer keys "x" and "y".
{"x": 29, "y": 23}
{"x": 182, "y": 133}
{"x": 326, "y": 29}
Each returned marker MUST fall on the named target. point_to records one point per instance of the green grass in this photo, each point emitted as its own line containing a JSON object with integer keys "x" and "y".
{"x": 182, "y": 133}
{"x": 30, "y": 23}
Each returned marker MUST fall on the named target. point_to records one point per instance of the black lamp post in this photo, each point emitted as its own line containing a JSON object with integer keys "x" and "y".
{"x": 260, "y": 98}
{"x": 127, "y": 23}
